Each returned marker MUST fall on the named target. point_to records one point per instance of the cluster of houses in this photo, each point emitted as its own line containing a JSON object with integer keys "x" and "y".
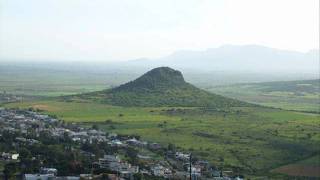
{"x": 6, "y": 98}
{"x": 114, "y": 163}
{"x": 6, "y": 156}
{"x": 51, "y": 174}
{"x": 174, "y": 165}
{"x": 24, "y": 121}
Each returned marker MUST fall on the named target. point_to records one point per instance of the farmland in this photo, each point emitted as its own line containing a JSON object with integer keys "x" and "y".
{"x": 55, "y": 80}
{"x": 291, "y": 95}
{"x": 305, "y": 167}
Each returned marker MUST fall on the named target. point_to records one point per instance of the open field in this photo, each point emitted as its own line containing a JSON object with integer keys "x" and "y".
{"x": 57, "y": 79}
{"x": 92, "y": 112}
{"x": 46, "y": 84}
{"x": 251, "y": 140}
{"x": 307, "y": 167}
{"x": 291, "y": 95}
{"x": 299, "y": 170}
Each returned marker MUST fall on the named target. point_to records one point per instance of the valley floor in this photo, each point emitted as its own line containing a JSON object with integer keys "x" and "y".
{"x": 301, "y": 95}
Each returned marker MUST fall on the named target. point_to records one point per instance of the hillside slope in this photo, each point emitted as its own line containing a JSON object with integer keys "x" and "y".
{"x": 161, "y": 86}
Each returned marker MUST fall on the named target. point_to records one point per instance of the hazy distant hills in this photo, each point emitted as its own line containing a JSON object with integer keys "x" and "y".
{"x": 252, "y": 58}
{"x": 218, "y": 66}
{"x": 160, "y": 87}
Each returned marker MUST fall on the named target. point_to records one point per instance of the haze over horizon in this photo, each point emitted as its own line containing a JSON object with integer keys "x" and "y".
{"x": 82, "y": 30}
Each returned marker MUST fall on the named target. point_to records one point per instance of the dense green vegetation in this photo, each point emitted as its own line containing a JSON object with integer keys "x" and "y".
{"x": 158, "y": 87}
{"x": 300, "y": 95}
{"x": 53, "y": 153}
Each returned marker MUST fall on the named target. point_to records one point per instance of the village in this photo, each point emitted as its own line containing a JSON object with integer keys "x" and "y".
{"x": 89, "y": 153}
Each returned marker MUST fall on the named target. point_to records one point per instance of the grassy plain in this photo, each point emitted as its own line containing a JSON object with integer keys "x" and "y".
{"x": 47, "y": 86}
{"x": 251, "y": 140}
{"x": 53, "y": 80}
{"x": 301, "y": 95}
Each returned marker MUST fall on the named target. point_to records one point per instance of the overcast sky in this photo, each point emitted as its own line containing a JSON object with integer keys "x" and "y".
{"x": 108, "y": 30}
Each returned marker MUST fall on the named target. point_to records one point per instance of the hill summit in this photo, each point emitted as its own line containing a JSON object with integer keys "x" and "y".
{"x": 157, "y": 79}
{"x": 161, "y": 86}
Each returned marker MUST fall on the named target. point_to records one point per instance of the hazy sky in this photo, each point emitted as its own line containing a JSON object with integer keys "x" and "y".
{"x": 128, "y": 29}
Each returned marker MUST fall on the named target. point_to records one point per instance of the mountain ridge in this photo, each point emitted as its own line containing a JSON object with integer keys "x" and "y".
{"x": 236, "y": 58}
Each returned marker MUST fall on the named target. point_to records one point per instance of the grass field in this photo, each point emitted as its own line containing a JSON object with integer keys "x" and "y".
{"x": 92, "y": 112}
{"x": 291, "y": 95}
{"x": 56, "y": 80}
{"x": 47, "y": 86}
{"x": 251, "y": 140}
{"x": 307, "y": 167}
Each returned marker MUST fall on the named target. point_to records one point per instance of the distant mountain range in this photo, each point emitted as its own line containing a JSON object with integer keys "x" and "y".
{"x": 252, "y": 58}
{"x": 228, "y": 64}
{"x": 161, "y": 86}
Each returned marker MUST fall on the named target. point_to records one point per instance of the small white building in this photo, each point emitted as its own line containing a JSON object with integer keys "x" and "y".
{"x": 182, "y": 156}
{"x": 14, "y": 156}
{"x": 38, "y": 176}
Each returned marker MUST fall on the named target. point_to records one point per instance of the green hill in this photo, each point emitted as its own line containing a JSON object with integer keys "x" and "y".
{"x": 161, "y": 86}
